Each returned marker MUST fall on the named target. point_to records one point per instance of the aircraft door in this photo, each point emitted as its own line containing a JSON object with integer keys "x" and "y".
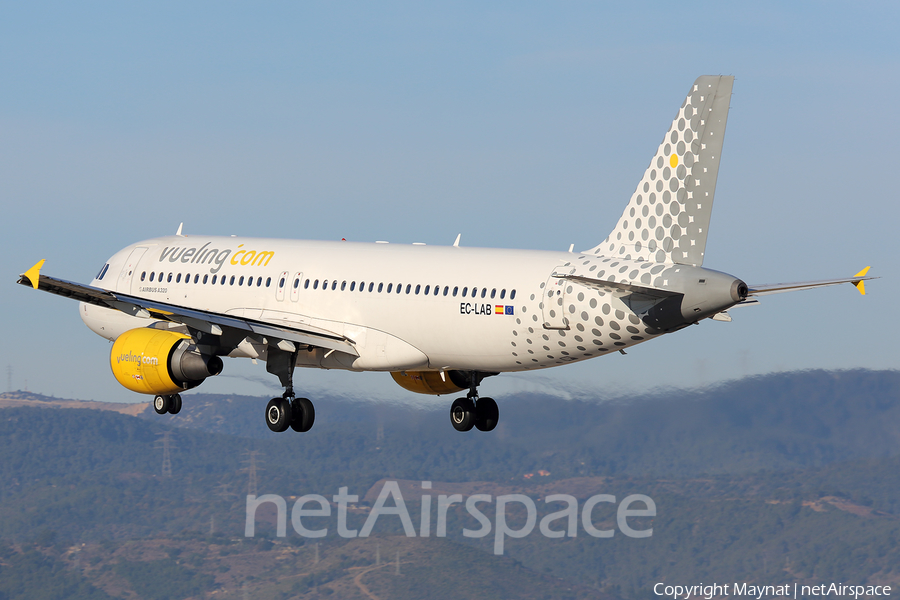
{"x": 283, "y": 282}
{"x": 553, "y": 304}
{"x": 295, "y": 287}
{"x": 127, "y": 274}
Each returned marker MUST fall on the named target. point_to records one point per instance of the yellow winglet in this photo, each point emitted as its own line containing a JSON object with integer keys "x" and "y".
{"x": 34, "y": 274}
{"x": 861, "y": 285}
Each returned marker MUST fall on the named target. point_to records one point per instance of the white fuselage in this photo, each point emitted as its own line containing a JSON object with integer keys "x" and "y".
{"x": 404, "y": 306}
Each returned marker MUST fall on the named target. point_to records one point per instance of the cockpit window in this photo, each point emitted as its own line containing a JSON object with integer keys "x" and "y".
{"x": 103, "y": 271}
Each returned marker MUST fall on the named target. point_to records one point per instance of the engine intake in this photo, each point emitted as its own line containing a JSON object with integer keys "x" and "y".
{"x": 153, "y": 361}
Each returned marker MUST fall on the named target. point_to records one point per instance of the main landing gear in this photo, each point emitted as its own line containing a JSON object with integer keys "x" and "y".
{"x": 167, "y": 404}
{"x": 297, "y": 413}
{"x": 472, "y": 411}
{"x": 286, "y": 412}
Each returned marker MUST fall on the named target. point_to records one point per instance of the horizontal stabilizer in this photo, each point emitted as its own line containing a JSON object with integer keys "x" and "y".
{"x": 618, "y": 289}
{"x": 777, "y": 288}
{"x": 638, "y": 298}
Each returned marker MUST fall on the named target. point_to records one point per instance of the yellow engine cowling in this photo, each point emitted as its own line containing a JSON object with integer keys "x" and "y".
{"x": 430, "y": 382}
{"x": 154, "y": 361}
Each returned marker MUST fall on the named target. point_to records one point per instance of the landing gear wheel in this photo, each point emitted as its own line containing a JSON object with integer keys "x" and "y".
{"x": 278, "y": 414}
{"x": 175, "y": 404}
{"x": 486, "y": 414}
{"x": 161, "y": 404}
{"x": 462, "y": 414}
{"x": 303, "y": 415}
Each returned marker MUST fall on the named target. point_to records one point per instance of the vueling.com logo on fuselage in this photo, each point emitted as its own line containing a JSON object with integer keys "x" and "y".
{"x": 130, "y": 357}
{"x": 216, "y": 257}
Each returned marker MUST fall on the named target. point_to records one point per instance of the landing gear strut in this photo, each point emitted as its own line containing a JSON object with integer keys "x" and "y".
{"x": 472, "y": 411}
{"x": 286, "y": 412}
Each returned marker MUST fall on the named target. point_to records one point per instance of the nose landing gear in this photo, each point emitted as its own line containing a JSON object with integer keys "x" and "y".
{"x": 472, "y": 411}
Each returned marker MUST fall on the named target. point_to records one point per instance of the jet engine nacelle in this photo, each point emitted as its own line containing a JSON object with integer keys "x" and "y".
{"x": 431, "y": 382}
{"x": 153, "y": 361}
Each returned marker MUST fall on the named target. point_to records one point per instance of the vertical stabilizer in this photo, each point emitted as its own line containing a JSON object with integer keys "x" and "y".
{"x": 667, "y": 219}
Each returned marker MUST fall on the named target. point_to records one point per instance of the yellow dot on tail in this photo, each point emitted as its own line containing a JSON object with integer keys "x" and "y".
{"x": 673, "y": 161}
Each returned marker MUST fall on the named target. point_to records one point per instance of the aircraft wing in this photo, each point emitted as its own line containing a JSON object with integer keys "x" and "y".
{"x": 206, "y": 321}
{"x": 777, "y": 288}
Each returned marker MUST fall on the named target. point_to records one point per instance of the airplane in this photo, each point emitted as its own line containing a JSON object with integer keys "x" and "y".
{"x": 439, "y": 319}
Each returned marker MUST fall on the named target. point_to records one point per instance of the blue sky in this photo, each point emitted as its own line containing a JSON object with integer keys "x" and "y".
{"x": 519, "y": 125}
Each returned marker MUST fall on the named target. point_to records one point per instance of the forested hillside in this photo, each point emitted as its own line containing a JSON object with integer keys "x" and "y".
{"x": 791, "y": 476}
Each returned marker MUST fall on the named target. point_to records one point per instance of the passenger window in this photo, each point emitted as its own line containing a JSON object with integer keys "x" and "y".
{"x": 418, "y": 287}
{"x": 408, "y": 287}
{"x": 214, "y": 279}
{"x": 316, "y": 284}
{"x": 399, "y": 287}
{"x": 187, "y": 278}
{"x": 380, "y": 287}
{"x": 390, "y": 287}
{"x": 151, "y": 276}
{"x": 352, "y": 286}
{"x": 324, "y": 284}
{"x": 493, "y": 293}
{"x": 446, "y": 290}
{"x": 427, "y": 288}
{"x": 503, "y": 293}
{"x": 483, "y": 292}
{"x": 305, "y": 285}
{"x": 334, "y": 285}
{"x": 196, "y": 278}
{"x": 205, "y": 279}
{"x": 178, "y": 278}
{"x": 474, "y": 292}
{"x": 268, "y": 281}
{"x": 371, "y": 286}
{"x": 512, "y": 295}
{"x": 455, "y": 289}
{"x": 259, "y": 282}
{"x": 465, "y": 292}
{"x": 241, "y": 280}
{"x": 343, "y": 285}
{"x": 281, "y": 283}
{"x": 231, "y": 282}
{"x": 437, "y": 290}
{"x": 144, "y": 274}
